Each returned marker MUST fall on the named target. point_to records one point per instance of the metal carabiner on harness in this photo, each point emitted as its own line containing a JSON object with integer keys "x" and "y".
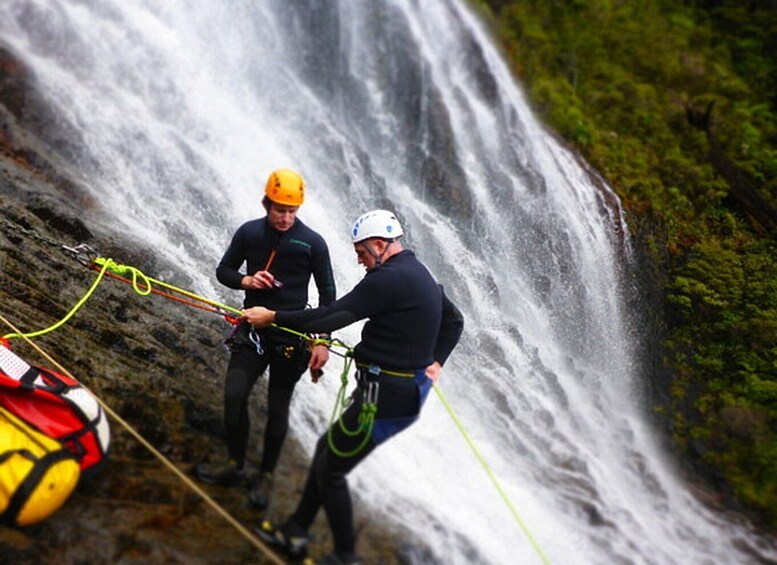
{"x": 372, "y": 386}
{"x": 371, "y": 392}
{"x": 256, "y": 339}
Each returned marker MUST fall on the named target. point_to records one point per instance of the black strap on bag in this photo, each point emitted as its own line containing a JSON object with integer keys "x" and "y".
{"x": 31, "y": 481}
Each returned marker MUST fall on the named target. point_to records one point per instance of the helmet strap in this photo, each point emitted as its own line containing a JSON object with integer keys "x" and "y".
{"x": 378, "y": 258}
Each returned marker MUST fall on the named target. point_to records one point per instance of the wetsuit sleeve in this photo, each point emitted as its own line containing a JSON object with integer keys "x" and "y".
{"x": 362, "y": 302}
{"x": 451, "y": 327}
{"x": 316, "y": 320}
{"x": 322, "y": 274}
{"x": 228, "y": 272}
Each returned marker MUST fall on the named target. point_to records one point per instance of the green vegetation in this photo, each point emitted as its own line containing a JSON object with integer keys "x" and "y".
{"x": 675, "y": 103}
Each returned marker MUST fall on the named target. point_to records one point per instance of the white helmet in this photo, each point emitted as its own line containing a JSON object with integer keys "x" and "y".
{"x": 378, "y": 223}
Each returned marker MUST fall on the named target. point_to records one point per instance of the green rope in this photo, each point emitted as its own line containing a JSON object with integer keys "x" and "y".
{"x": 366, "y": 417}
{"x": 147, "y": 281}
{"x": 69, "y": 315}
{"x": 491, "y": 475}
{"x": 125, "y": 269}
{"x": 136, "y": 273}
{"x": 144, "y": 288}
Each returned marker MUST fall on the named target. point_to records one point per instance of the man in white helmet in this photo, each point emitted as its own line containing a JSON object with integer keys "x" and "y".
{"x": 411, "y": 330}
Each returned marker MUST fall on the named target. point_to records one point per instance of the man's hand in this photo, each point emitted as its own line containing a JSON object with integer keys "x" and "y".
{"x": 258, "y": 316}
{"x": 433, "y": 371}
{"x": 319, "y": 355}
{"x": 260, "y": 280}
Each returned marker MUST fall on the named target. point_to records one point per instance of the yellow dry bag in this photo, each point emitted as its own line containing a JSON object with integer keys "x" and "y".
{"x": 37, "y": 473}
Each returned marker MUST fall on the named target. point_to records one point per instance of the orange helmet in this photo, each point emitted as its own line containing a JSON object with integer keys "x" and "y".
{"x": 285, "y": 187}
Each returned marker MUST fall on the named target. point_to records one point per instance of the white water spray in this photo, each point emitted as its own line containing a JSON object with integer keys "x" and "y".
{"x": 175, "y": 113}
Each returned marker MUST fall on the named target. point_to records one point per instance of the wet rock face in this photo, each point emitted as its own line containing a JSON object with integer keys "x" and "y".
{"x": 145, "y": 358}
{"x": 14, "y": 83}
{"x": 158, "y": 365}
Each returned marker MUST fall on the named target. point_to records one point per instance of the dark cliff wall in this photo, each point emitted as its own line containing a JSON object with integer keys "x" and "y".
{"x": 158, "y": 364}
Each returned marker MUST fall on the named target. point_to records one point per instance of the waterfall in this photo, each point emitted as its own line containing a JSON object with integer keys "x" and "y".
{"x": 173, "y": 113}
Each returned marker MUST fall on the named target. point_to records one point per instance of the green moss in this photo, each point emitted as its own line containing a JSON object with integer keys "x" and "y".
{"x": 648, "y": 91}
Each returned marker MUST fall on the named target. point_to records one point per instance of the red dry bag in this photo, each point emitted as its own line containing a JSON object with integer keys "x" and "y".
{"x": 57, "y": 406}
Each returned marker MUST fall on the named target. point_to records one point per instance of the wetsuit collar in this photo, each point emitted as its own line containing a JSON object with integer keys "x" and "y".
{"x": 379, "y": 258}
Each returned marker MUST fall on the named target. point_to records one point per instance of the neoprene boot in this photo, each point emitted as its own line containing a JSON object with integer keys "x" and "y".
{"x": 229, "y": 475}
{"x": 293, "y": 547}
{"x": 259, "y": 495}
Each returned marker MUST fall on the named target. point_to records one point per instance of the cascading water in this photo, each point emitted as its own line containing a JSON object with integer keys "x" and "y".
{"x": 174, "y": 112}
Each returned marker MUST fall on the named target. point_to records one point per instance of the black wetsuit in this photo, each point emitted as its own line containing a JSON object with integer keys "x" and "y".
{"x": 299, "y": 253}
{"x": 411, "y": 324}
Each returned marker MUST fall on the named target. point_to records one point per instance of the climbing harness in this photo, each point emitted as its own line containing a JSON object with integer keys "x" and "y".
{"x": 369, "y": 385}
{"x": 374, "y": 369}
{"x": 366, "y": 420}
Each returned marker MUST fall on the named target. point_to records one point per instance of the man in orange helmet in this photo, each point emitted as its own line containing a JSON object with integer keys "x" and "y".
{"x": 281, "y": 254}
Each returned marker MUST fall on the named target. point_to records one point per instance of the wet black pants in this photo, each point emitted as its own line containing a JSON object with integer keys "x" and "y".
{"x": 245, "y": 367}
{"x": 327, "y": 484}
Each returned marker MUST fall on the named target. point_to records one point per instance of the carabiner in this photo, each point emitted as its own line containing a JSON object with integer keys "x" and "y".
{"x": 83, "y": 253}
{"x": 371, "y": 392}
{"x": 256, "y": 339}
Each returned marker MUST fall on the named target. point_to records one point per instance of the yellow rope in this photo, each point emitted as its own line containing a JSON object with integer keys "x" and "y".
{"x": 147, "y": 281}
{"x": 144, "y": 290}
{"x": 186, "y": 480}
{"x": 491, "y": 475}
{"x": 69, "y": 315}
